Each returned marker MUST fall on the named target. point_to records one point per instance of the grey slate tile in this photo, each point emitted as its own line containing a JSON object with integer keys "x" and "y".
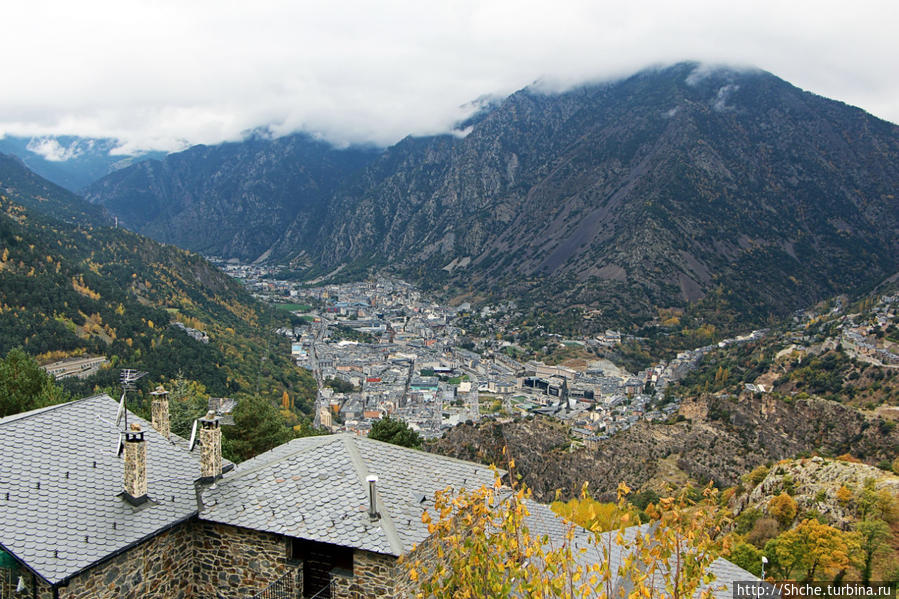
{"x": 42, "y": 446}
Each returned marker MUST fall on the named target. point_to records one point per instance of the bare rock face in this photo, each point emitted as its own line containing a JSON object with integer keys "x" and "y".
{"x": 720, "y": 440}
{"x": 662, "y": 187}
{"x": 813, "y": 483}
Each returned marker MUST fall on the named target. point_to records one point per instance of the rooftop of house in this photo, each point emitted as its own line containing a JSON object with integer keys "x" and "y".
{"x": 61, "y": 503}
{"x": 315, "y": 488}
{"x": 62, "y": 509}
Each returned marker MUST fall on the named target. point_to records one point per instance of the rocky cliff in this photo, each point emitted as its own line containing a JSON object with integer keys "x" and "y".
{"x": 719, "y": 440}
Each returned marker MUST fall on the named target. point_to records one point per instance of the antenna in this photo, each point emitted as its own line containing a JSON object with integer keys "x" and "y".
{"x": 193, "y": 437}
{"x": 127, "y": 378}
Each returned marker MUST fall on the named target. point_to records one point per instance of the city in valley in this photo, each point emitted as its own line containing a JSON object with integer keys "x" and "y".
{"x": 381, "y": 348}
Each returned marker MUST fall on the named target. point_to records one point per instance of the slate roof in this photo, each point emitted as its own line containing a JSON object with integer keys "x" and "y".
{"x": 315, "y": 488}
{"x": 63, "y": 477}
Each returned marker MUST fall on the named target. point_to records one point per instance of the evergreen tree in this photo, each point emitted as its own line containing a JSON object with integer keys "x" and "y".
{"x": 25, "y": 386}
{"x": 258, "y": 427}
{"x": 392, "y": 430}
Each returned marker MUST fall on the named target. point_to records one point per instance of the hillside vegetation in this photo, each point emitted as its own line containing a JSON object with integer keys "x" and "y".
{"x": 71, "y": 285}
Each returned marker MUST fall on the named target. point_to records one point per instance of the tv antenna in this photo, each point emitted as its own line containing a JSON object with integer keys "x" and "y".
{"x": 127, "y": 378}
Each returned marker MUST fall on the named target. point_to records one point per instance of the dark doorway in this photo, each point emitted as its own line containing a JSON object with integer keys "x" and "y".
{"x": 318, "y": 561}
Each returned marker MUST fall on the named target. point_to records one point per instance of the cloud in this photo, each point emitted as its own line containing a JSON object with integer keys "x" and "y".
{"x": 164, "y": 74}
{"x": 50, "y": 149}
{"x": 719, "y": 104}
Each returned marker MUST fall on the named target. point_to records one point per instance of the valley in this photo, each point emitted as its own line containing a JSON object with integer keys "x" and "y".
{"x": 613, "y": 292}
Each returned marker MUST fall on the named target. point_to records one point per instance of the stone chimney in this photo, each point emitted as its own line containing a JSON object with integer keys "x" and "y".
{"x": 135, "y": 451}
{"x": 160, "y": 411}
{"x": 210, "y": 447}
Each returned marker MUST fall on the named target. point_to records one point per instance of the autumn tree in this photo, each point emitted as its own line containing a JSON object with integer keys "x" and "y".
{"x": 783, "y": 509}
{"x": 808, "y": 547}
{"x": 844, "y": 495}
{"x": 483, "y": 546}
{"x": 593, "y": 515}
{"x": 762, "y": 531}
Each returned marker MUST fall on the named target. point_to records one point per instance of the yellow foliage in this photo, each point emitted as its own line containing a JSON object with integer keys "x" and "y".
{"x": 844, "y": 494}
{"x": 484, "y": 548}
{"x": 79, "y": 286}
{"x": 591, "y": 514}
{"x": 812, "y": 545}
{"x": 783, "y": 509}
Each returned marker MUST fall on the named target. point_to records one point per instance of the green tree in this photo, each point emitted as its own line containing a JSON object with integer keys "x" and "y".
{"x": 25, "y": 386}
{"x": 396, "y": 431}
{"x": 258, "y": 427}
{"x": 747, "y": 556}
{"x": 188, "y": 401}
{"x": 874, "y": 540}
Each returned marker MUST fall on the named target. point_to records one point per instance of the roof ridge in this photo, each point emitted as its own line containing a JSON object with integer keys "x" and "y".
{"x": 361, "y": 469}
{"x": 37, "y": 411}
{"x": 427, "y": 453}
{"x": 305, "y": 441}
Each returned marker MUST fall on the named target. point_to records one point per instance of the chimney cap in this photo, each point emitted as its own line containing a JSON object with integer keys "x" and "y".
{"x": 210, "y": 420}
{"x": 160, "y": 390}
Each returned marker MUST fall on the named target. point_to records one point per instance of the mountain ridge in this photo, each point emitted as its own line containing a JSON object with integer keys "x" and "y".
{"x": 674, "y": 186}
{"x": 233, "y": 199}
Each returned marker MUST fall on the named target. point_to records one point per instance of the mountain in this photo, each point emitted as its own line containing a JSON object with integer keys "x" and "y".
{"x": 652, "y": 191}
{"x": 71, "y": 285}
{"x": 231, "y": 200}
{"x": 730, "y": 190}
{"x": 70, "y": 162}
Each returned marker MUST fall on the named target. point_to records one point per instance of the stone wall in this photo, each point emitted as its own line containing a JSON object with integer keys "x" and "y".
{"x": 203, "y": 559}
{"x": 160, "y": 568}
{"x": 237, "y": 562}
{"x": 374, "y": 576}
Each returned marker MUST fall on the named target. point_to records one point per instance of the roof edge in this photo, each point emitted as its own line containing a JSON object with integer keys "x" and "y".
{"x": 25, "y": 565}
{"x": 65, "y": 580}
{"x": 36, "y": 411}
{"x": 361, "y": 469}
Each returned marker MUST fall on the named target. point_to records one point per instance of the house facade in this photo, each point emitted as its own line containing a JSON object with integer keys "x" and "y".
{"x": 88, "y": 510}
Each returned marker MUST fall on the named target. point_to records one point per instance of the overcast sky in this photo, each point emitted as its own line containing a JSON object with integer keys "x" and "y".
{"x": 166, "y": 73}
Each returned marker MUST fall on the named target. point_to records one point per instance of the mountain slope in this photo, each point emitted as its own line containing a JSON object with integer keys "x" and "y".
{"x": 719, "y": 440}
{"x": 234, "y": 199}
{"x": 656, "y": 189}
{"x": 728, "y": 190}
{"x": 73, "y": 286}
